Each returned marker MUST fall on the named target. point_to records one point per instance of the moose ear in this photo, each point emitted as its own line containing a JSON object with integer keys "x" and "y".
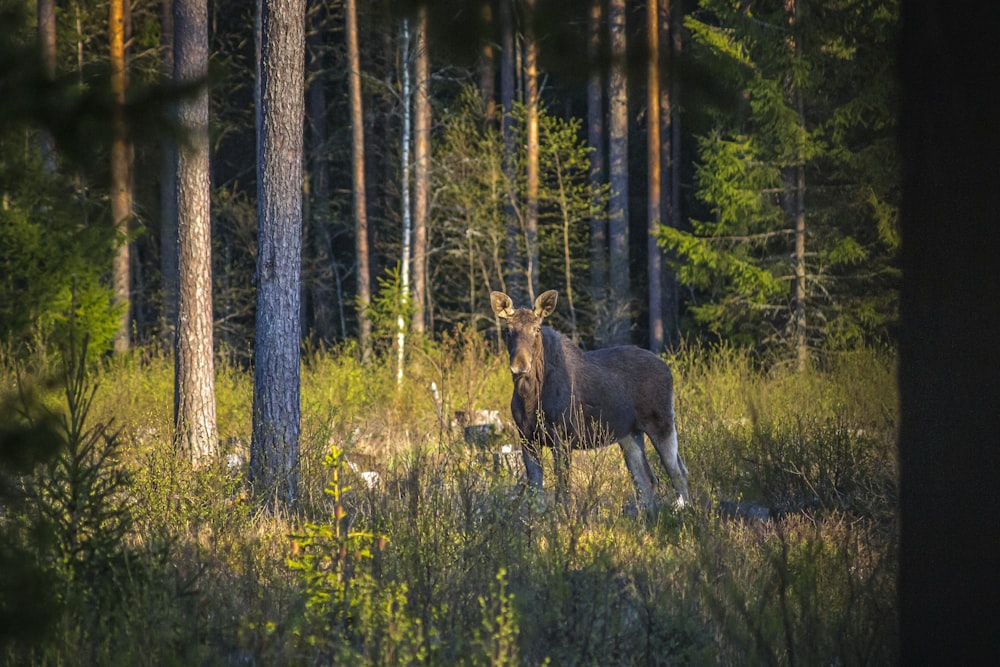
{"x": 503, "y": 307}
{"x": 545, "y": 304}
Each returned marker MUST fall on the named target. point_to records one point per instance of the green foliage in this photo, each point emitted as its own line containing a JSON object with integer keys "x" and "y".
{"x": 52, "y": 262}
{"x": 814, "y": 93}
{"x": 448, "y": 561}
{"x": 470, "y": 226}
{"x": 350, "y": 615}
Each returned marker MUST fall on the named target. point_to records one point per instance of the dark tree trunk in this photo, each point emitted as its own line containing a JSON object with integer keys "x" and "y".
{"x": 513, "y": 272}
{"x": 168, "y": 187}
{"x": 194, "y": 368}
{"x": 595, "y": 138}
{"x": 949, "y": 377}
{"x": 618, "y": 209}
{"x": 279, "y": 108}
{"x": 653, "y": 196}
{"x": 364, "y": 295}
{"x": 670, "y": 182}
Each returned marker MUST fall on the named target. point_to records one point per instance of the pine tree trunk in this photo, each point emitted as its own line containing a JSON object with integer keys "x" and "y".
{"x": 194, "y": 368}
{"x": 364, "y": 294}
{"x": 323, "y": 292}
{"x": 670, "y": 142}
{"x": 121, "y": 192}
{"x": 595, "y": 139}
{"x": 531, "y": 150}
{"x": 513, "y": 274}
{"x": 421, "y": 170}
{"x": 653, "y": 195}
{"x": 168, "y": 187}
{"x": 618, "y": 209}
{"x": 279, "y": 97}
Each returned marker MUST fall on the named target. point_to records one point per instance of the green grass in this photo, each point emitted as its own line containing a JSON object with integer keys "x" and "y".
{"x": 448, "y": 561}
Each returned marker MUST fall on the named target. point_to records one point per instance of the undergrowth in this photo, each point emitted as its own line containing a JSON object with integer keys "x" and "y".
{"x": 787, "y": 556}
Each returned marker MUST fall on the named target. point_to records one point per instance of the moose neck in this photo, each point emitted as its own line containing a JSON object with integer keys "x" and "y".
{"x": 528, "y": 386}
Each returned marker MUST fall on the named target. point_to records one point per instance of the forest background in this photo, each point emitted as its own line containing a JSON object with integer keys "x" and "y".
{"x": 762, "y": 256}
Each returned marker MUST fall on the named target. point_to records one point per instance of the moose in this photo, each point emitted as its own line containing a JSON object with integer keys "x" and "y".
{"x": 565, "y": 398}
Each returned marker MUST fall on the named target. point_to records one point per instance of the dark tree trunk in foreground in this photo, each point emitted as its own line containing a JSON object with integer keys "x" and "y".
{"x": 280, "y": 111}
{"x": 194, "y": 368}
{"x": 949, "y": 378}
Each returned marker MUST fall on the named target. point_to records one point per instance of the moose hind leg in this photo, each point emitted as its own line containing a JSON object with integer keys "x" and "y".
{"x": 633, "y": 450}
{"x": 666, "y": 446}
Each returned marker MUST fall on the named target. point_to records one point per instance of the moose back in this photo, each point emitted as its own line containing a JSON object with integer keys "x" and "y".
{"x": 565, "y": 398}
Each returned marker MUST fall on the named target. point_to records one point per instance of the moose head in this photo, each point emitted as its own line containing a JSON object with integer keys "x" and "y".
{"x": 523, "y": 333}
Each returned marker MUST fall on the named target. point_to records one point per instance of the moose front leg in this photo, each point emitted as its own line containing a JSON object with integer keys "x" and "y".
{"x": 532, "y": 464}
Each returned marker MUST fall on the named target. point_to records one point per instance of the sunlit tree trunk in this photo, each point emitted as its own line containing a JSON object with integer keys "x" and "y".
{"x": 618, "y": 209}
{"x": 595, "y": 138}
{"x": 121, "y": 192}
{"x": 653, "y": 195}
{"x": 421, "y": 170}
{"x": 168, "y": 186}
{"x": 194, "y": 376}
{"x": 279, "y": 98}
{"x": 364, "y": 295}
{"x": 47, "y": 45}
{"x": 798, "y": 204}
{"x": 531, "y": 149}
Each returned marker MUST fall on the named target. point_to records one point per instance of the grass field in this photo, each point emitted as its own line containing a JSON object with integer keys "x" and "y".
{"x": 788, "y": 554}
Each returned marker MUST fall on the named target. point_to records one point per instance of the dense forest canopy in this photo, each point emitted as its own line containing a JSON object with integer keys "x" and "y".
{"x": 780, "y": 186}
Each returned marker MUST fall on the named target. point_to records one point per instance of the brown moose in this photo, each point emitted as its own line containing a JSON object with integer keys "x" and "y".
{"x": 565, "y": 398}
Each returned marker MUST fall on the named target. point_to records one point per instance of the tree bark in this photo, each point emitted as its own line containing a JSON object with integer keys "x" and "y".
{"x": 364, "y": 294}
{"x": 513, "y": 274}
{"x": 323, "y": 291}
{"x": 531, "y": 150}
{"x": 670, "y": 141}
{"x": 421, "y": 170}
{"x": 595, "y": 138}
{"x": 949, "y": 363}
{"x": 404, "y": 158}
{"x": 168, "y": 187}
{"x": 653, "y": 194}
{"x": 194, "y": 368}
{"x": 121, "y": 191}
{"x": 279, "y": 97}
{"x": 618, "y": 209}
